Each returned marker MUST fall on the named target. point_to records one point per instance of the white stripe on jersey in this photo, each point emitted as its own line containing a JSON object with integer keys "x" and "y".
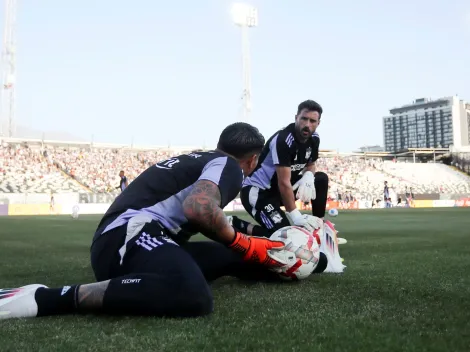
{"x": 253, "y": 199}
{"x": 290, "y": 140}
{"x": 266, "y": 221}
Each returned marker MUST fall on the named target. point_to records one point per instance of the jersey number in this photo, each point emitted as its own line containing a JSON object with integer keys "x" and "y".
{"x": 269, "y": 208}
{"x": 167, "y": 164}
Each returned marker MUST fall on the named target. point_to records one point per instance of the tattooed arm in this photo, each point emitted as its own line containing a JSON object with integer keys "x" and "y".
{"x": 202, "y": 207}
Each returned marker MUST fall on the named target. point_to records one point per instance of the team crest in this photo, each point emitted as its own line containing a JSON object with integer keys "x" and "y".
{"x": 308, "y": 153}
{"x": 276, "y": 217}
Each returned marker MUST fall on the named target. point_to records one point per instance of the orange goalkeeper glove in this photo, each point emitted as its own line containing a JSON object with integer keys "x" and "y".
{"x": 258, "y": 250}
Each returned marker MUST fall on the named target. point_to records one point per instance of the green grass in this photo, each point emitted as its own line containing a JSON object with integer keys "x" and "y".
{"x": 406, "y": 288}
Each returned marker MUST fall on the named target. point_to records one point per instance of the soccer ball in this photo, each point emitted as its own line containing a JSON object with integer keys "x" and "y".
{"x": 75, "y": 210}
{"x": 333, "y": 212}
{"x": 301, "y": 252}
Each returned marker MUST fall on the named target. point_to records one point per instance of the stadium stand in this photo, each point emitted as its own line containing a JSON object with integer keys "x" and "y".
{"x": 25, "y": 170}
{"x": 429, "y": 177}
{"x": 60, "y": 168}
{"x": 358, "y": 175}
{"x": 461, "y": 161}
{"x": 98, "y": 169}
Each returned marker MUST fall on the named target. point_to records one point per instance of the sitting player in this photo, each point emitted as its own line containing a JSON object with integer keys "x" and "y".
{"x": 140, "y": 255}
{"x": 288, "y": 153}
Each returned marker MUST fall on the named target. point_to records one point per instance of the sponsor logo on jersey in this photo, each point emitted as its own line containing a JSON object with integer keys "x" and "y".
{"x": 297, "y": 167}
{"x": 194, "y": 155}
{"x": 130, "y": 281}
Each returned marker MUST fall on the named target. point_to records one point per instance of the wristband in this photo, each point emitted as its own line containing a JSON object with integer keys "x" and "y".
{"x": 295, "y": 215}
{"x": 241, "y": 243}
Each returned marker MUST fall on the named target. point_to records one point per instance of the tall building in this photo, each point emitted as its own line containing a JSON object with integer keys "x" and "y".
{"x": 467, "y": 110}
{"x": 428, "y": 123}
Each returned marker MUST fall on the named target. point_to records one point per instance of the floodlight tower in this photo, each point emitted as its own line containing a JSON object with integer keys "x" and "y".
{"x": 245, "y": 16}
{"x": 8, "y": 64}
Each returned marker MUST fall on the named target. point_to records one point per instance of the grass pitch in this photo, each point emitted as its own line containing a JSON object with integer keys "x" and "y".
{"x": 406, "y": 288}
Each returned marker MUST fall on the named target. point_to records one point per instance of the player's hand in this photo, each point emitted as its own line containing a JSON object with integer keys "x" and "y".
{"x": 309, "y": 222}
{"x": 259, "y": 250}
{"x": 306, "y": 186}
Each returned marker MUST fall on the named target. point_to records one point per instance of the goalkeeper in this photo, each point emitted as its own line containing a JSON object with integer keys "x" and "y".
{"x": 286, "y": 172}
{"x": 141, "y": 257}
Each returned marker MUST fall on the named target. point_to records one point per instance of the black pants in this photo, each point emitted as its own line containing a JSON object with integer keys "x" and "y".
{"x": 152, "y": 275}
{"x": 265, "y": 205}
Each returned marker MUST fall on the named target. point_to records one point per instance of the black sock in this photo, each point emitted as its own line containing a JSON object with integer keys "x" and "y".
{"x": 240, "y": 225}
{"x": 260, "y": 231}
{"x": 54, "y": 301}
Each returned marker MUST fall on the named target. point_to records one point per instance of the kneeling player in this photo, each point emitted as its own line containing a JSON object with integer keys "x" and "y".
{"x": 140, "y": 255}
{"x": 288, "y": 153}
{"x": 287, "y": 163}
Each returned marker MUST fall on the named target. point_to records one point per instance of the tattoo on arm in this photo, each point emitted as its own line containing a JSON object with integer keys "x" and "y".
{"x": 202, "y": 206}
{"x": 90, "y": 297}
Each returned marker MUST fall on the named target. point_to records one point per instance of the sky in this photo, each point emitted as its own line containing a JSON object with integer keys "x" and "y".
{"x": 156, "y": 72}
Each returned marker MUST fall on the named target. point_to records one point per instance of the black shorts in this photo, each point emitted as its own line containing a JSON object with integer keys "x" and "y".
{"x": 145, "y": 248}
{"x": 151, "y": 250}
{"x": 264, "y": 207}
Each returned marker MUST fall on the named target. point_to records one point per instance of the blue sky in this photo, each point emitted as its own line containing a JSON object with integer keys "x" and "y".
{"x": 170, "y": 71}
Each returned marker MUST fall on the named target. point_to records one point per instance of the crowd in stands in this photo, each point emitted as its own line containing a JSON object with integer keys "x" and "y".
{"x": 52, "y": 169}
{"x": 461, "y": 161}
{"x": 98, "y": 169}
{"x": 25, "y": 170}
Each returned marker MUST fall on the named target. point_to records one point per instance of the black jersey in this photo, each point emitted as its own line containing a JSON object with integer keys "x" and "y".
{"x": 283, "y": 149}
{"x": 160, "y": 190}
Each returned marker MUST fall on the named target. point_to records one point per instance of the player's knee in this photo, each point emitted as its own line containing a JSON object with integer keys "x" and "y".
{"x": 184, "y": 296}
{"x": 321, "y": 178}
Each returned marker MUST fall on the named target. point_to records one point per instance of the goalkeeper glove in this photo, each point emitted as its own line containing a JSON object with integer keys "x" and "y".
{"x": 308, "y": 222}
{"x": 306, "y": 186}
{"x": 259, "y": 250}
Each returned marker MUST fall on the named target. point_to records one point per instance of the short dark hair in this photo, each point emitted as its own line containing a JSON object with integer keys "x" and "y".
{"x": 240, "y": 139}
{"x": 310, "y": 105}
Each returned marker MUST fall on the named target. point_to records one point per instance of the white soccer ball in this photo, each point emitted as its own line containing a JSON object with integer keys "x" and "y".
{"x": 75, "y": 211}
{"x": 301, "y": 252}
{"x": 333, "y": 212}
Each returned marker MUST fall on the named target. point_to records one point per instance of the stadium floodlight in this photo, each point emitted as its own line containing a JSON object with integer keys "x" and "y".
{"x": 8, "y": 65}
{"x": 245, "y": 16}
